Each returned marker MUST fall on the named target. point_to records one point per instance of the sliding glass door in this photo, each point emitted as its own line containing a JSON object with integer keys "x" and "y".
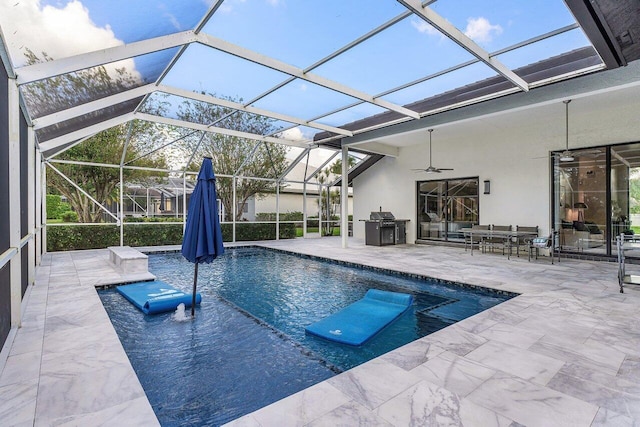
{"x": 445, "y": 207}
{"x": 596, "y": 198}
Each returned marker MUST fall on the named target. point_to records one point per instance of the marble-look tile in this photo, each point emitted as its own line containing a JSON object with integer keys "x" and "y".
{"x": 455, "y": 373}
{"x": 73, "y": 352}
{"x": 578, "y": 318}
{"x": 413, "y": 354}
{"x": 69, "y": 393}
{"x": 512, "y": 335}
{"x": 507, "y": 314}
{"x": 531, "y": 404}
{"x": 302, "y": 407}
{"x": 27, "y": 342}
{"x": 350, "y": 414}
{"x": 617, "y": 382}
{"x": 516, "y": 361}
{"x": 137, "y": 412}
{"x": 607, "y": 418}
{"x": 625, "y": 341}
{"x": 246, "y": 421}
{"x": 426, "y": 404}
{"x": 84, "y": 314}
{"x": 456, "y": 340}
{"x": 478, "y": 323}
{"x": 630, "y": 369}
{"x": 600, "y": 394}
{"x": 373, "y": 383}
{"x": 591, "y": 354}
{"x": 20, "y": 368}
{"x": 18, "y": 403}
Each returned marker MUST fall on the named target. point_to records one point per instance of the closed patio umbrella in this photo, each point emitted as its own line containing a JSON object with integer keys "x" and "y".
{"x": 202, "y": 241}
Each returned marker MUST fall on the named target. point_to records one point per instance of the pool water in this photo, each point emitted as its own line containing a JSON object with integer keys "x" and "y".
{"x": 247, "y": 346}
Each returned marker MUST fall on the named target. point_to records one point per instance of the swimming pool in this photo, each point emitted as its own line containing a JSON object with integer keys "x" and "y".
{"x": 247, "y": 347}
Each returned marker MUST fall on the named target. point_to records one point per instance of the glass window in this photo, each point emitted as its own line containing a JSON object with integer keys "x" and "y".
{"x": 445, "y": 207}
{"x": 68, "y": 90}
{"x": 581, "y": 200}
{"x": 625, "y": 196}
{"x": 298, "y": 32}
{"x": 86, "y": 120}
{"x": 304, "y": 100}
{"x": 495, "y": 24}
{"x": 203, "y": 69}
{"x": 544, "y": 49}
{"x": 400, "y": 54}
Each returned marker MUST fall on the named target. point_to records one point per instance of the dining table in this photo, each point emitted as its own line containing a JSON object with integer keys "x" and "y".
{"x": 507, "y": 235}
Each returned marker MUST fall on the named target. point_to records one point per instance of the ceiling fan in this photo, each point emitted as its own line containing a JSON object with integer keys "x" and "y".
{"x": 567, "y": 155}
{"x": 431, "y": 169}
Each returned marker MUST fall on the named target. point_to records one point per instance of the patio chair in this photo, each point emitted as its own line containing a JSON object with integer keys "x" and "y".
{"x": 538, "y": 243}
{"x": 478, "y": 240}
{"x": 504, "y": 242}
{"x": 523, "y": 240}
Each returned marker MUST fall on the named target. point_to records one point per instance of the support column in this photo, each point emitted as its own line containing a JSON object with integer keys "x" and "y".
{"x": 304, "y": 208}
{"x": 14, "y": 203}
{"x": 278, "y": 210}
{"x": 344, "y": 197}
{"x": 184, "y": 202}
{"x": 31, "y": 204}
{"x": 121, "y": 208}
{"x": 43, "y": 172}
{"x": 234, "y": 209}
{"x": 39, "y": 166}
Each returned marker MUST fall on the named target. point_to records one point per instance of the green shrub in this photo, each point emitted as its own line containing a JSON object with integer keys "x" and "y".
{"x": 69, "y": 216}
{"x": 250, "y": 231}
{"x": 153, "y": 219}
{"x": 152, "y": 235}
{"x": 56, "y": 207}
{"x": 284, "y": 216}
{"x": 73, "y": 237}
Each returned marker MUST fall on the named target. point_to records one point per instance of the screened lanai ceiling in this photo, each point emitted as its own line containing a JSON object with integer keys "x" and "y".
{"x": 313, "y": 73}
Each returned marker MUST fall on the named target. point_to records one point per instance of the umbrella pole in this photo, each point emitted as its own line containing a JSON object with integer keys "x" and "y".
{"x": 193, "y": 297}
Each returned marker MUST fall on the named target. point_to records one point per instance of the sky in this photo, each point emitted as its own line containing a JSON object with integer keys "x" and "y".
{"x": 298, "y": 33}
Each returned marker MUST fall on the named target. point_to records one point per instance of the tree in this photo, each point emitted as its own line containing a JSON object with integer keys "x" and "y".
{"x": 101, "y": 182}
{"x": 67, "y": 90}
{"x": 330, "y": 199}
{"x": 232, "y": 155}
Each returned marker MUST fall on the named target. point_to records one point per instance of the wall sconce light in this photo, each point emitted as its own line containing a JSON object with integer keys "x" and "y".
{"x": 487, "y": 187}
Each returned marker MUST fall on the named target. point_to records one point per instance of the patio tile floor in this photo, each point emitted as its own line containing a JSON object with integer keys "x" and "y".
{"x": 566, "y": 351}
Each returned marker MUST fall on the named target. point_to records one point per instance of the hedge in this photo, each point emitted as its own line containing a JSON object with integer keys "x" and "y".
{"x": 73, "y": 237}
{"x": 249, "y": 231}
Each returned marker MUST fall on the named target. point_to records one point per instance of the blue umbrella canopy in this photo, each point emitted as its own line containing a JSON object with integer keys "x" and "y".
{"x": 202, "y": 241}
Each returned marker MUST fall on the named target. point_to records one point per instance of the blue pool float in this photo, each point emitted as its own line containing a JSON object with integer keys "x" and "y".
{"x": 360, "y": 321}
{"x": 156, "y": 296}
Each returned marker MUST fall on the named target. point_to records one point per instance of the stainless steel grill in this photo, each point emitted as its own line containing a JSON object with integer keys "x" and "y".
{"x": 386, "y": 219}
{"x": 383, "y": 228}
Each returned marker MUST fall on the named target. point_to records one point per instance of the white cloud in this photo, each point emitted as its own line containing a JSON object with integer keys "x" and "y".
{"x": 60, "y": 32}
{"x": 227, "y": 6}
{"x": 424, "y": 27}
{"x": 480, "y": 30}
{"x": 303, "y": 87}
{"x": 294, "y": 134}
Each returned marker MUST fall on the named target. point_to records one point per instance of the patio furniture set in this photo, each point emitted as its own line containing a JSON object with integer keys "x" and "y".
{"x": 506, "y": 238}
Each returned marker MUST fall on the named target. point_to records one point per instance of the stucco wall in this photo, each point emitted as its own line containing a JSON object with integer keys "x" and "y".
{"x": 510, "y": 151}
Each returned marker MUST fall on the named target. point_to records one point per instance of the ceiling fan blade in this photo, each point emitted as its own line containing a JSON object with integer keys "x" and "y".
{"x": 445, "y": 169}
